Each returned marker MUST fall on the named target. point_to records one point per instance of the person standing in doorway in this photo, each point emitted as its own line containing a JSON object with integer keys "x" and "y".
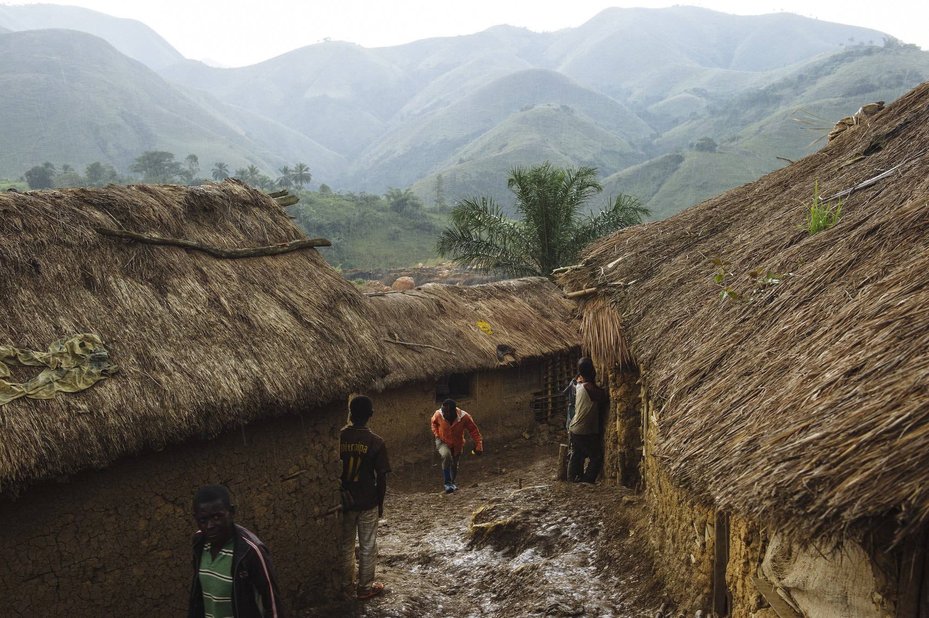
{"x": 364, "y": 485}
{"x": 586, "y": 426}
{"x": 233, "y": 576}
{"x": 449, "y": 424}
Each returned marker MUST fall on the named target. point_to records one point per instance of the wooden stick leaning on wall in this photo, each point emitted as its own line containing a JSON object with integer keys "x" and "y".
{"x": 217, "y": 252}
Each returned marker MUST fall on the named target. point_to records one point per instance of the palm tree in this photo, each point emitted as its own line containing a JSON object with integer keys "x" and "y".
{"x": 551, "y": 230}
{"x": 301, "y": 175}
{"x": 220, "y": 171}
{"x": 285, "y": 179}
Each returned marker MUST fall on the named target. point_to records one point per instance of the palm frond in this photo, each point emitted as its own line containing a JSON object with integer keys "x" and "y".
{"x": 481, "y": 236}
{"x": 626, "y": 210}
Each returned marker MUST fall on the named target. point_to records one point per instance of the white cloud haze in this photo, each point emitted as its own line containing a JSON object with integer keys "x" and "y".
{"x": 237, "y": 33}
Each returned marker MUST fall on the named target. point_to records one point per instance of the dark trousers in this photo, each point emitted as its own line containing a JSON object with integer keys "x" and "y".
{"x": 585, "y": 448}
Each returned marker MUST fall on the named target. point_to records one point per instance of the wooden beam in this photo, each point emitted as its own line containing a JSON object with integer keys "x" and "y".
{"x": 778, "y": 604}
{"x": 910, "y": 582}
{"x": 584, "y": 292}
{"x": 217, "y": 252}
{"x": 417, "y": 345}
{"x": 720, "y": 562}
{"x": 562, "y": 474}
{"x": 287, "y": 200}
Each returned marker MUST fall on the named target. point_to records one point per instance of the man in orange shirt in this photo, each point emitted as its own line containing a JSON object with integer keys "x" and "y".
{"x": 448, "y": 425}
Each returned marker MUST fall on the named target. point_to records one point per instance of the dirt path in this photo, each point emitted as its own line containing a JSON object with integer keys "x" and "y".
{"x": 537, "y": 547}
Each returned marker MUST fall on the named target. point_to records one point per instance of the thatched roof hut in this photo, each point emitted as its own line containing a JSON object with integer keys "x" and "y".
{"x": 201, "y": 343}
{"x": 791, "y": 370}
{"x": 435, "y": 329}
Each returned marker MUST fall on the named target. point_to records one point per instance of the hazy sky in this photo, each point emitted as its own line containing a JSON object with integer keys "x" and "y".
{"x": 236, "y": 33}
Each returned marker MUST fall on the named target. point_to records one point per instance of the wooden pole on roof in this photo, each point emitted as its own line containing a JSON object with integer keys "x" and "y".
{"x": 584, "y": 292}
{"x": 217, "y": 252}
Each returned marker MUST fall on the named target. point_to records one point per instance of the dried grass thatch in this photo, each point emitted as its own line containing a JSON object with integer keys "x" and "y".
{"x": 602, "y": 332}
{"x": 202, "y": 344}
{"x": 803, "y": 399}
{"x": 529, "y": 316}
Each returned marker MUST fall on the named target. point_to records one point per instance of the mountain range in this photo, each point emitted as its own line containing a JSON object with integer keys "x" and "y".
{"x": 672, "y": 105}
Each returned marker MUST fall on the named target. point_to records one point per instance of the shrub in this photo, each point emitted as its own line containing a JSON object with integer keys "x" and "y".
{"x": 822, "y": 215}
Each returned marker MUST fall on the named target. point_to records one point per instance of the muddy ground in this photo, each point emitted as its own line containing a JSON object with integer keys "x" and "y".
{"x": 511, "y": 542}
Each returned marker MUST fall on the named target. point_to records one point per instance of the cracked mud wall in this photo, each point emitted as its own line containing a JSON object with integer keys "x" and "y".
{"x": 116, "y": 542}
{"x": 681, "y": 531}
{"x": 747, "y": 543}
{"x": 683, "y": 536}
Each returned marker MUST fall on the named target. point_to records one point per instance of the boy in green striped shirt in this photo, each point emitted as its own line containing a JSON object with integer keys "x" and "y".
{"x": 233, "y": 577}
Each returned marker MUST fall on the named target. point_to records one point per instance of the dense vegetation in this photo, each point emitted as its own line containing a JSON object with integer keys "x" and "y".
{"x": 371, "y": 231}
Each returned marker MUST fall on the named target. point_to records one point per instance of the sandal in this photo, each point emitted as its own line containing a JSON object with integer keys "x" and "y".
{"x": 372, "y": 591}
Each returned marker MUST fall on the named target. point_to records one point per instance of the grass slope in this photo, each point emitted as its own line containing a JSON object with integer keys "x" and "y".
{"x": 69, "y": 97}
{"x": 365, "y": 233}
{"x": 558, "y": 134}
{"x": 421, "y": 145}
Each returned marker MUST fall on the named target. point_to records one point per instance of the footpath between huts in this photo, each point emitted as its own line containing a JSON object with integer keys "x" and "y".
{"x": 511, "y": 542}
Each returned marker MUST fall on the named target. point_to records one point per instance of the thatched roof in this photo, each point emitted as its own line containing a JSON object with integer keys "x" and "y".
{"x": 806, "y": 403}
{"x": 529, "y": 316}
{"x": 201, "y": 343}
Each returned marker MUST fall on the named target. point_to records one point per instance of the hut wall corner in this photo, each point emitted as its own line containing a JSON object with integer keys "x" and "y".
{"x": 623, "y": 439}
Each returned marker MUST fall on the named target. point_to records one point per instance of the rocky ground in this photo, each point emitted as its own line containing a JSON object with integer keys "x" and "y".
{"x": 511, "y": 542}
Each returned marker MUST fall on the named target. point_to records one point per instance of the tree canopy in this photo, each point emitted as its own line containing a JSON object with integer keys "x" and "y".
{"x": 551, "y": 229}
{"x": 156, "y": 166}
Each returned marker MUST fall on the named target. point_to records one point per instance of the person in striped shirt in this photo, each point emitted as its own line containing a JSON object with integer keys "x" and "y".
{"x": 233, "y": 576}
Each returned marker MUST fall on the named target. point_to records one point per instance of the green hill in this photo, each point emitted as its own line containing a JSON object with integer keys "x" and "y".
{"x": 558, "y": 134}
{"x": 366, "y": 233}
{"x": 339, "y": 94}
{"x": 760, "y": 128}
{"x": 68, "y": 97}
{"x": 428, "y": 143}
{"x": 640, "y": 53}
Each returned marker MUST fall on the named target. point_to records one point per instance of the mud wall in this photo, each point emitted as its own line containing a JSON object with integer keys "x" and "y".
{"x": 500, "y": 402}
{"x": 623, "y": 443}
{"x": 682, "y": 530}
{"x": 683, "y": 536}
{"x": 116, "y": 542}
{"x": 747, "y": 543}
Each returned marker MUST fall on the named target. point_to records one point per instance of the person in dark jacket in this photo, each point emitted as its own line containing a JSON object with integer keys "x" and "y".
{"x": 364, "y": 485}
{"x": 233, "y": 576}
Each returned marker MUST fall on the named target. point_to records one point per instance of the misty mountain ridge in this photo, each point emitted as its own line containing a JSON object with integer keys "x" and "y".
{"x": 630, "y": 92}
